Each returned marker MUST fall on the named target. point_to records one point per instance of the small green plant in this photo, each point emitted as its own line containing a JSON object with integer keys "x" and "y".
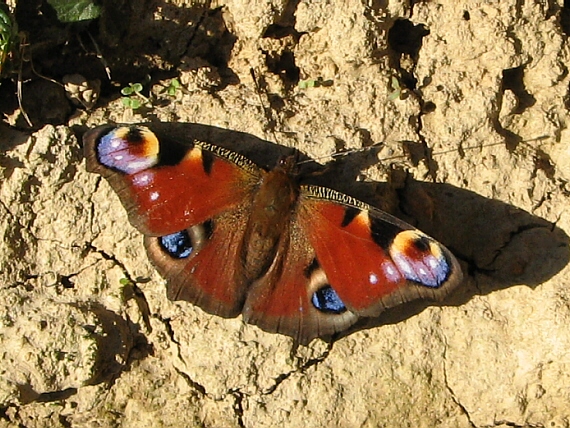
{"x": 397, "y": 90}
{"x": 309, "y": 83}
{"x": 314, "y": 83}
{"x": 173, "y": 87}
{"x": 75, "y": 10}
{"x": 126, "y": 281}
{"x": 132, "y": 97}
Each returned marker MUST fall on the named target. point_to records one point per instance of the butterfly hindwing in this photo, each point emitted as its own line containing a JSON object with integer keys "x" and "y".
{"x": 291, "y": 297}
{"x": 202, "y": 264}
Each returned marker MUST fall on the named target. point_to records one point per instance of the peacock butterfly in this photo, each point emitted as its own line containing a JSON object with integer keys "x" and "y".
{"x": 232, "y": 238}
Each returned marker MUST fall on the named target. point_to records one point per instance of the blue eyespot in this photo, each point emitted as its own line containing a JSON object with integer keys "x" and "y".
{"x": 177, "y": 245}
{"x": 326, "y": 300}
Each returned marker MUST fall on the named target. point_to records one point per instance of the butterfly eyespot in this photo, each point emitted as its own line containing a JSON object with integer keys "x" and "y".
{"x": 129, "y": 150}
{"x": 326, "y": 300}
{"x": 420, "y": 260}
{"x": 181, "y": 244}
{"x": 178, "y": 245}
{"x": 421, "y": 243}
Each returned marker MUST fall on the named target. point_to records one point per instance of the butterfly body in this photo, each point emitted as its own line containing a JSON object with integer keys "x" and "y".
{"x": 233, "y": 238}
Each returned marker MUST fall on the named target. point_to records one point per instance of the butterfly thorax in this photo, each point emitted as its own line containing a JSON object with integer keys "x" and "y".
{"x": 269, "y": 220}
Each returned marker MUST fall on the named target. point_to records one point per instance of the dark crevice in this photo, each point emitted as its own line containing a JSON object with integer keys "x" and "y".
{"x": 169, "y": 330}
{"x": 406, "y": 38}
{"x": 282, "y": 60}
{"x": 565, "y": 17}
{"x": 132, "y": 291}
{"x": 113, "y": 259}
{"x": 65, "y": 423}
{"x": 238, "y": 406}
{"x": 193, "y": 384}
{"x": 315, "y": 361}
{"x": 513, "y": 79}
{"x": 217, "y": 50}
{"x": 4, "y": 413}
{"x": 283, "y": 65}
{"x": 301, "y": 369}
{"x": 452, "y": 393}
{"x": 543, "y": 162}
{"x": 197, "y": 386}
{"x": 277, "y": 31}
{"x": 47, "y": 397}
{"x": 285, "y": 25}
{"x": 140, "y": 349}
{"x": 521, "y": 229}
{"x": 512, "y": 140}
{"x": 514, "y": 424}
{"x": 29, "y": 395}
{"x": 67, "y": 282}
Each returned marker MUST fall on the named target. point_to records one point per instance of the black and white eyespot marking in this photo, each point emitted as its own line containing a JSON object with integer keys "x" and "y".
{"x": 135, "y": 135}
{"x": 177, "y": 245}
{"x": 326, "y": 300}
{"x": 323, "y": 296}
{"x": 181, "y": 245}
{"x": 422, "y": 244}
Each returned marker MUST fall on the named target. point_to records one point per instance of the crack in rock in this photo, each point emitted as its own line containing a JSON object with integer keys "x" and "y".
{"x": 452, "y": 394}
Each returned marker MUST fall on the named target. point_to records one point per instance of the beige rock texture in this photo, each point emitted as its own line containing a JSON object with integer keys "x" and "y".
{"x": 452, "y": 114}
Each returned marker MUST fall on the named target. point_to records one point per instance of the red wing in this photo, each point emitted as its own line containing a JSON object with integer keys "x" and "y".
{"x": 373, "y": 260}
{"x": 282, "y": 300}
{"x": 202, "y": 263}
{"x": 168, "y": 186}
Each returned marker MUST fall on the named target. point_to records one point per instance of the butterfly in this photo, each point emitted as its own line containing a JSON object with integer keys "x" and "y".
{"x": 234, "y": 238}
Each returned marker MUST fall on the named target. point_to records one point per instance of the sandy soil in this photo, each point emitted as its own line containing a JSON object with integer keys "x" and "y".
{"x": 472, "y": 140}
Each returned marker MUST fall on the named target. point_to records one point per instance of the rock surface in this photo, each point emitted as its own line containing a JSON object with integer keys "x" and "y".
{"x": 473, "y": 139}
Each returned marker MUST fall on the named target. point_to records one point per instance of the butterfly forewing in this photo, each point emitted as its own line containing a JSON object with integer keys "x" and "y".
{"x": 167, "y": 187}
{"x": 373, "y": 260}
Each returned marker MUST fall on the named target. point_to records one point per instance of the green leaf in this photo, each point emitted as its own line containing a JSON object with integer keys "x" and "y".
{"x": 395, "y": 83}
{"x": 137, "y": 87}
{"x": 75, "y": 10}
{"x": 127, "y": 90}
{"x": 5, "y": 21}
{"x": 394, "y": 95}
{"x": 135, "y": 104}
